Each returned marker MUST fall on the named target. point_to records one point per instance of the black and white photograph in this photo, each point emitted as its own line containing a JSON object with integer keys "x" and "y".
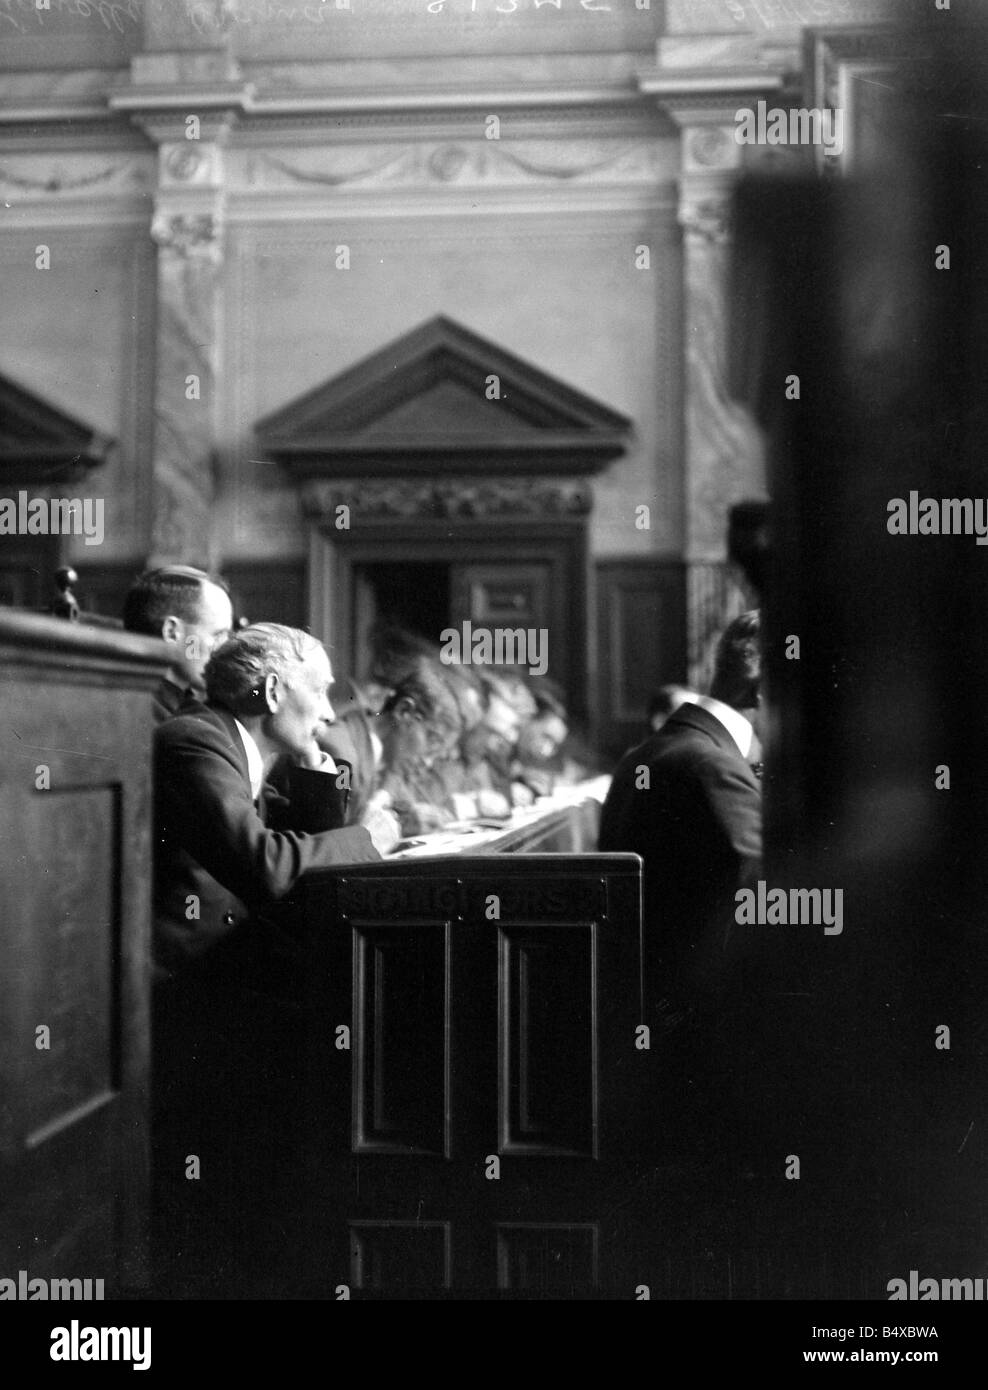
{"x": 494, "y": 667}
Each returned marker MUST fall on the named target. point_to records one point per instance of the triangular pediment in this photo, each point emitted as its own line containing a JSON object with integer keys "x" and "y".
{"x": 40, "y": 443}
{"x": 442, "y": 394}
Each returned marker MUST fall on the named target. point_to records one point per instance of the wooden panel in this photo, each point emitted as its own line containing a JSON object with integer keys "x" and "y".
{"x": 554, "y": 1258}
{"x": 495, "y": 1083}
{"x": 547, "y": 1097}
{"x": 409, "y": 1255}
{"x": 268, "y": 592}
{"x": 70, "y": 939}
{"x": 74, "y": 950}
{"x": 501, "y": 595}
{"x": 641, "y": 625}
{"x": 27, "y": 571}
{"x": 400, "y": 1036}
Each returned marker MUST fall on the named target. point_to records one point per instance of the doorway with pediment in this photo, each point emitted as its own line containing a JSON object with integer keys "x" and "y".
{"x": 445, "y": 480}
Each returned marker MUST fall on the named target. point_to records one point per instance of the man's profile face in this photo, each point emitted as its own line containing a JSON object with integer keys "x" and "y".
{"x": 406, "y": 739}
{"x": 503, "y": 725}
{"x": 197, "y": 640}
{"x": 304, "y": 708}
{"x": 542, "y": 737}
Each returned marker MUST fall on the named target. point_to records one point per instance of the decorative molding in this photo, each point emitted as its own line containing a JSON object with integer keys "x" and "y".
{"x": 69, "y": 177}
{"x": 463, "y": 499}
{"x": 618, "y": 118}
{"x": 751, "y": 16}
{"x": 707, "y": 218}
{"x": 330, "y": 178}
{"x": 420, "y": 404}
{"x": 694, "y": 90}
{"x": 832, "y": 61}
{"x": 184, "y": 162}
{"x": 188, "y": 234}
{"x": 41, "y": 444}
{"x": 469, "y": 163}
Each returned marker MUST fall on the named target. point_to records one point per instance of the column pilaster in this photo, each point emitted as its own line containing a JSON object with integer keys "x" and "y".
{"x": 186, "y": 102}
{"x": 722, "y": 450}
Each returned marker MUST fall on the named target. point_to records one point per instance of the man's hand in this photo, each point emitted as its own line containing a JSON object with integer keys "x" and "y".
{"x": 316, "y": 760}
{"x": 384, "y": 828}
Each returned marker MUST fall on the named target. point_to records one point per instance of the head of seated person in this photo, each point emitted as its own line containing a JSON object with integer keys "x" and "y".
{"x": 420, "y": 722}
{"x": 468, "y": 692}
{"x": 395, "y": 654}
{"x": 545, "y": 733}
{"x": 509, "y": 706}
{"x": 276, "y": 681}
{"x": 186, "y": 607}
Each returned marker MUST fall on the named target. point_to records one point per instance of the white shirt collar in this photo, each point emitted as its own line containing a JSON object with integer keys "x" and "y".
{"x": 255, "y": 763}
{"x": 736, "y": 725}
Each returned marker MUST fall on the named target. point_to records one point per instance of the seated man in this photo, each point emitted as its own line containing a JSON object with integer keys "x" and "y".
{"x": 537, "y": 763}
{"x": 225, "y": 847}
{"x": 510, "y": 705}
{"x": 229, "y": 1006}
{"x": 419, "y": 725}
{"x": 190, "y": 610}
{"x": 687, "y": 802}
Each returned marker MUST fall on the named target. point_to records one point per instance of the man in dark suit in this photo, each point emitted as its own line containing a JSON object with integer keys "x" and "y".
{"x": 687, "y": 801}
{"x": 229, "y": 1021}
{"x": 227, "y": 845}
{"x": 190, "y": 610}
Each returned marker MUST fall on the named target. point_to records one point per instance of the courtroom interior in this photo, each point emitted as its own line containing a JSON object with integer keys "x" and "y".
{"x": 445, "y": 458}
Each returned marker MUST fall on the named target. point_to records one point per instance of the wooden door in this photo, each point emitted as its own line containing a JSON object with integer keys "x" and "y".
{"x": 480, "y": 1132}
{"x": 507, "y": 595}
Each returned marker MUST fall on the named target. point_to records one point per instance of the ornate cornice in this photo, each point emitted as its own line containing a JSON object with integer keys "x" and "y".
{"x": 401, "y": 500}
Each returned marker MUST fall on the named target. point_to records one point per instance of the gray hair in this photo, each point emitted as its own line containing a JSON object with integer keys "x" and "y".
{"x": 236, "y": 671}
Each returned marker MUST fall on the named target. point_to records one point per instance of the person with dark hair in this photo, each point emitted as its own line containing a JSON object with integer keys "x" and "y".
{"x": 687, "y": 802}
{"x": 419, "y": 727}
{"x": 395, "y": 652}
{"x": 189, "y": 609}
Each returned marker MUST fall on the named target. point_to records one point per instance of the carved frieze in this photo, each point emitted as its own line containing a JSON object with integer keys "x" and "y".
{"x": 468, "y": 163}
{"x": 29, "y": 176}
{"x": 404, "y": 499}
